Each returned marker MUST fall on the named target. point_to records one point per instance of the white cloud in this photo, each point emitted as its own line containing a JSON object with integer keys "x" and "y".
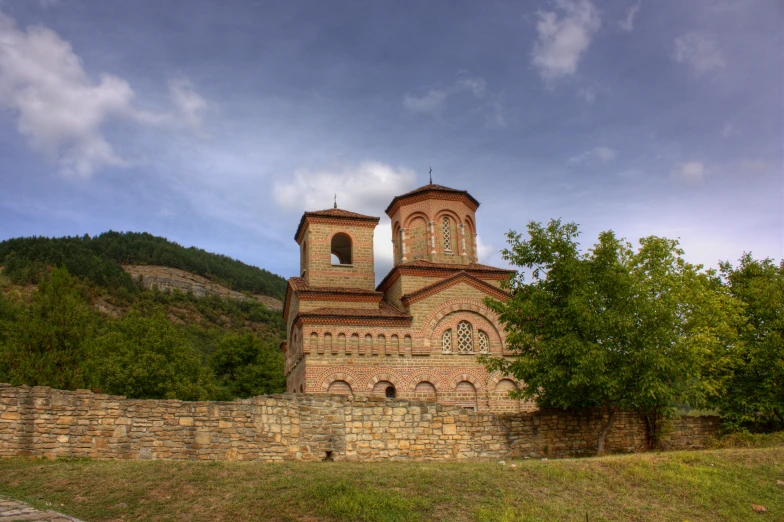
{"x": 563, "y": 39}
{"x": 587, "y": 94}
{"x": 190, "y": 106}
{"x": 476, "y": 85}
{"x": 366, "y": 188}
{"x": 495, "y": 114}
{"x": 601, "y": 154}
{"x": 484, "y": 252}
{"x": 699, "y": 51}
{"x": 627, "y": 24}
{"x": 434, "y": 102}
{"x": 691, "y": 172}
{"x": 60, "y": 109}
{"x": 431, "y": 103}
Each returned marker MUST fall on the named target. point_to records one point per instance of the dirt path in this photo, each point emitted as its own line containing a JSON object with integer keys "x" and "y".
{"x": 13, "y": 510}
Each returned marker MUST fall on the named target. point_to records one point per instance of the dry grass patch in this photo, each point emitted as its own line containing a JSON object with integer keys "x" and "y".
{"x": 707, "y": 485}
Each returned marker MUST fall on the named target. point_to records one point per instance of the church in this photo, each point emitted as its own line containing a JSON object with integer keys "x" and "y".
{"x": 418, "y": 333}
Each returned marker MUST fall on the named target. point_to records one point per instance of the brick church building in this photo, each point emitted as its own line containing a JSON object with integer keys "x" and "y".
{"x": 418, "y": 333}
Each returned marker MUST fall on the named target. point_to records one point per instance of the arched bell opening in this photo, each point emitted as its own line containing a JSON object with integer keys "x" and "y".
{"x": 341, "y": 249}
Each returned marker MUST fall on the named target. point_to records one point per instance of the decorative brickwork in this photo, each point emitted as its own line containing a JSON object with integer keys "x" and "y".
{"x": 52, "y": 423}
{"x": 418, "y": 333}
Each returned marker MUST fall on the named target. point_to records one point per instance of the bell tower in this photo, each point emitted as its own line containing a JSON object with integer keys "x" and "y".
{"x": 434, "y": 223}
{"x": 336, "y": 249}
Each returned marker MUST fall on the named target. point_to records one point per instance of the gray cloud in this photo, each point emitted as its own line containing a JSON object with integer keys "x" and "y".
{"x": 699, "y": 51}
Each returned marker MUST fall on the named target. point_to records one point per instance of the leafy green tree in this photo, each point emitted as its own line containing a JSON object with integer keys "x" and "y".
{"x": 150, "y": 358}
{"x": 47, "y": 343}
{"x": 246, "y": 366}
{"x": 611, "y": 328}
{"x": 753, "y": 395}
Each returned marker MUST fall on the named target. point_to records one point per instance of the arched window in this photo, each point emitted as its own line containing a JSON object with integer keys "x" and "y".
{"x": 465, "y": 337}
{"x": 341, "y": 249}
{"x": 303, "y": 262}
{"x": 466, "y": 395}
{"x": 389, "y": 393}
{"x": 394, "y": 345}
{"x": 446, "y": 342}
{"x": 368, "y": 349}
{"x": 314, "y": 342}
{"x": 327, "y": 343}
{"x": 447, "y": 231}
{"x": 340, "y": 388}
{"x": 484, "y": 342}
{"x": 425, "y": 391}
{"x": 381, "y": 346}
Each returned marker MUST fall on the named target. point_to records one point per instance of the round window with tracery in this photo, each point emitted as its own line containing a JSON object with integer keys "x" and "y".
{"x": 465, "y": 341}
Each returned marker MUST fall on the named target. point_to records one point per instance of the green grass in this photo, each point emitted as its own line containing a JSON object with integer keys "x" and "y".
{"x": 713, "y": 485}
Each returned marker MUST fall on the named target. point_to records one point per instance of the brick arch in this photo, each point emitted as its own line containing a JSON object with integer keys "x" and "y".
{"x": 416, "y": 215}
{"x": 494, "y": 378}
{"x": 388, "y": 376}
{"x": 431, "y": 322}
{"x": 425, "y": 377}
{"x": 345, "y": 231}
{"x": 447, "y": 212}
{"x": 473, "y": 379}
{"x": 338, "y": 376}
{"x": 469, "y": 222}
{"x": 478, "y": 322}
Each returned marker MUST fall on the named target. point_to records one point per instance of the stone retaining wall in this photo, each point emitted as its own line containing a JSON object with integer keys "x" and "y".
{"x": 53, "y": 423}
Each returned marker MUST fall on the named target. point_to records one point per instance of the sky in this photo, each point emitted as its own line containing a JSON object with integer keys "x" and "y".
{"x": 216, "y": 124}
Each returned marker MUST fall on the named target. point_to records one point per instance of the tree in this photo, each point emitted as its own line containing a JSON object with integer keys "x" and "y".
{"x": 753, "y": 394}
{"x": 245, "y": 367}
{"x": 611, "y": 328}
{"x": 47, "y": 343}
{"x": 150, "y": 358}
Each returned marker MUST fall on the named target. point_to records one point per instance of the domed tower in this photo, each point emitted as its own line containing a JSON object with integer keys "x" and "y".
{"x": 434, "y": 223}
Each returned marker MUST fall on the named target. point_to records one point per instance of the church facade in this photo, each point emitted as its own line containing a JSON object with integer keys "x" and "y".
{"x": 417, "y": 334}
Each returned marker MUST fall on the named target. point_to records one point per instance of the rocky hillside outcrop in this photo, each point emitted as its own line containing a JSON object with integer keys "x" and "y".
{"x": 165, "y": 278}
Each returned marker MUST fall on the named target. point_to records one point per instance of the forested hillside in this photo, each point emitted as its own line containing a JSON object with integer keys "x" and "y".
{"x": 71, "y": 317}
{"x": 98, "y": 259}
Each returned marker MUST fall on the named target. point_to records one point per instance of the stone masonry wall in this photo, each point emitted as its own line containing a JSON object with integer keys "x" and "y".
{"x": 41, "y": 421}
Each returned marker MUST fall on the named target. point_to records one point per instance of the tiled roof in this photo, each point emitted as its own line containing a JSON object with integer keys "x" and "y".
{"x": 334, "y": 213}
{"x": 427, "y": 266}
{"x": 385, "y": 310}
{"x": 340, "y": 213}
{"x": 385, "y": 313}
{"x": 431, "y": 188}
{"x": 449, "y": 281}
{"x": 299, "y": 284}
{"x": 472, "y": 267}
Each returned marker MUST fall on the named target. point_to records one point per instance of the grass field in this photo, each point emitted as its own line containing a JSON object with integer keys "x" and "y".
{"x": 710, "y": 485}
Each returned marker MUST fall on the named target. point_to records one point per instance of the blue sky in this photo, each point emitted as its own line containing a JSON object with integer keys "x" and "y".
{"x": 216, "y": 124}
